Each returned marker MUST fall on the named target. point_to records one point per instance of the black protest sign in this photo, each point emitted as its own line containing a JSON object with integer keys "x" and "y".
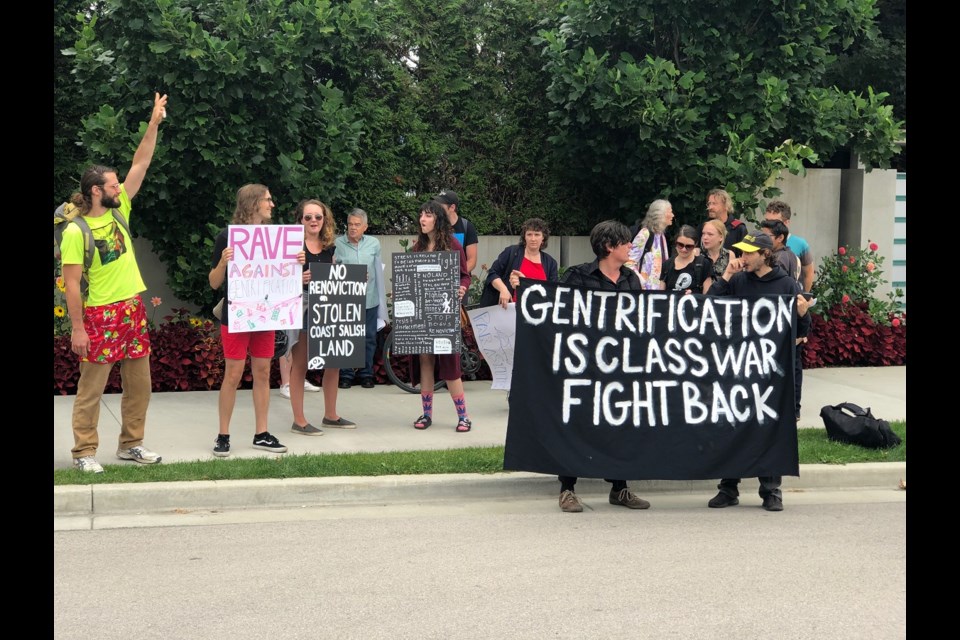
{"x": 426, "y": 310}
{"x": 642, "y": 385}
{"x": 336, "y": 321}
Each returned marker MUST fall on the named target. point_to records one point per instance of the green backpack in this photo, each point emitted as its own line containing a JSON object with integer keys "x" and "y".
{"x": 64, "y": 215}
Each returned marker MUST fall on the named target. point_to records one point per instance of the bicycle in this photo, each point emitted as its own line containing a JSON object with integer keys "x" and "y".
{"x": 399, "y": 369}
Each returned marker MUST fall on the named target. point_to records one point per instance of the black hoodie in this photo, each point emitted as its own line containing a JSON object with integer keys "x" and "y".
{"x": 748, "y": 284}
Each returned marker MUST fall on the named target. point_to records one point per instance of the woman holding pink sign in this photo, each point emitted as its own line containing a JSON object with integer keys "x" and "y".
{"x": 254, "y": 206}
{"x": 319, "y": 232}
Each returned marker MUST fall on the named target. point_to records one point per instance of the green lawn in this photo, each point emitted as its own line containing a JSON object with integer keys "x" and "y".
{"x": 814, "y": 448}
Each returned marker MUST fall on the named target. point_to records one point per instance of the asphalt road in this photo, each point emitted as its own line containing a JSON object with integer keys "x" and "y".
{"x": 831, "y": 565}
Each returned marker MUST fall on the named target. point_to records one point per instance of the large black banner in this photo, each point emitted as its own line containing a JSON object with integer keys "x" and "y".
{"x": 426, "y": 310}
{"x": 641, "y": 385}
{"x": 336, "y": 316}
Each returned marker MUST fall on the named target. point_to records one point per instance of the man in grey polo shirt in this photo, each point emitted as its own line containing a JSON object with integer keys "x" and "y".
{"x": 356, "y": 247}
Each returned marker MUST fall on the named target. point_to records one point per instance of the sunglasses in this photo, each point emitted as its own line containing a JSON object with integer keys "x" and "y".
{"x": 685, "y": 247}
{"x": 308, "y": 217}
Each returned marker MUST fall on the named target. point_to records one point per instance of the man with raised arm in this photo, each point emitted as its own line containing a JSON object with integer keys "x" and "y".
{"x": 110, "y": 325}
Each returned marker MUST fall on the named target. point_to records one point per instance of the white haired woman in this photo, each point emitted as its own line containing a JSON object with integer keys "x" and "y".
{"x": 649, "y": 249}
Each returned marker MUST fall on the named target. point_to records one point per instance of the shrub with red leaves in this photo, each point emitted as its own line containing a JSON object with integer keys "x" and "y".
{"x": 851, "y": 338}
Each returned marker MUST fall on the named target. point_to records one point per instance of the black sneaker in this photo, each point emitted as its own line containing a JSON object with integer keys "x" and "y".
{"x": 268, "y": 442}
{"x": 722, "y": 500}
{"x": 221, "y": 448}
{"x": 773, "y": 503}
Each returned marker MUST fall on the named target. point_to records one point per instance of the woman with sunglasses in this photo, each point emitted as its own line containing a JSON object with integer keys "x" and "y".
{"x": 436, "y": 234}
{"x": 685, "y": 271}
{"x": 319, "y": 233}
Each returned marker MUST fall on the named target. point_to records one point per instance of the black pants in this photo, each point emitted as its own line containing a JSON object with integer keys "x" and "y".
{"x": 568, "y": 482}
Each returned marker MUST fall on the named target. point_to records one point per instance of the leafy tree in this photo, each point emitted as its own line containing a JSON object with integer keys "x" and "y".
{"x": 67, "y": 109}
{"x": 456, "y": 103}
{"x": 879, "y": 62}
{"x": 253, "y": 99}
{"x": 663, "y": 98}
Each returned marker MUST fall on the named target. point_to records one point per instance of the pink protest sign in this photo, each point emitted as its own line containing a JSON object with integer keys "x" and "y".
{"x": 264, "y": 279}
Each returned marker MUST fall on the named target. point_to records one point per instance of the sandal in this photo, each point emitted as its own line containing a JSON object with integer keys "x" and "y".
{"x": 422, "y": 422}
{"x": 464, "y": 425}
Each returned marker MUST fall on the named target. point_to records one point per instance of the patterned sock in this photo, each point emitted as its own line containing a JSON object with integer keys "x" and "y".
{"x": 426, "y": 399}
{"x": 460, "y": 402}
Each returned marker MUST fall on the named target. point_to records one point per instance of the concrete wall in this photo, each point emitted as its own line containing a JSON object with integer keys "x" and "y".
{"x": 815, "y": 203}
{"x": 868, "y": 214}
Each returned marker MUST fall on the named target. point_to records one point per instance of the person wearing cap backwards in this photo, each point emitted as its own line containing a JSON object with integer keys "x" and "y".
{"x": 463, "y": 229}
{"x": 756, "y": 273}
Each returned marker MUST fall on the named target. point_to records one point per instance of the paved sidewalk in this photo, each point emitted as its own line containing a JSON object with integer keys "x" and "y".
{"x": 182, "y": 427}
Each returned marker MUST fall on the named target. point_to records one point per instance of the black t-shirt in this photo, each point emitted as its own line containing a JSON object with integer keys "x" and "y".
{"x": 219, "y": 244}
{"x": 465, "y": 232}
{"x": 324, "y": 257}
{"x": 686, "y": 278}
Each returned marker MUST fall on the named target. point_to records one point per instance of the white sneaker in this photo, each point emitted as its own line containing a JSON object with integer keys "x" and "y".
{"x": 88, "y": 464}
{"x": 139, "y": 454}
{"x": 285, "y": 390}
{"x": 310, "y": 387}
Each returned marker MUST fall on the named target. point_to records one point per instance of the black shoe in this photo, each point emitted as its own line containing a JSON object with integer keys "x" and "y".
{"x": 268, "y": 442}
{"x": 367, "y": 383}
{"x": 221, "y": 447}
{"x": 773, "y": 503}
{"x": 722, "y": 500}
{"x": 345, "y": 384}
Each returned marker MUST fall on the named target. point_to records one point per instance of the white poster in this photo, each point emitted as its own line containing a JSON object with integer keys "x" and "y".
{"x": 494, "y": 329}
{"x": 264, "y": 279}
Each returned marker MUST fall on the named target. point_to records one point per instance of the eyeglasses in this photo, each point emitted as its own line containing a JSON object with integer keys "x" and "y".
{"x": 267, "y": 199}
{"x": 685, "y": 247}
{"x": 308, "y": 217}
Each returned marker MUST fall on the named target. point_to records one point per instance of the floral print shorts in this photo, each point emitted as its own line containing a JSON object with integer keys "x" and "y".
{"x": 117, "y": 331}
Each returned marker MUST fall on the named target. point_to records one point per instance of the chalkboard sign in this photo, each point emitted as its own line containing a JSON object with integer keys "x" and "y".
{"x": 336, "y": 316}
{"x": 426, "y": 311}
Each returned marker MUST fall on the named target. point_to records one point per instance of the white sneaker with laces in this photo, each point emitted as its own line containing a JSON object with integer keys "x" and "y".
{"x": 310, "y": 387}
{"x": 88, "y": 464}
{"x": 285, "y": 390}
{"x": 139, "y": 454}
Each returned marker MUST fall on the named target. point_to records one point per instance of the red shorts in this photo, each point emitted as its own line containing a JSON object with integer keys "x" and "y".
{"x": 117, "y": 331}
{"x": 236, "y": 345}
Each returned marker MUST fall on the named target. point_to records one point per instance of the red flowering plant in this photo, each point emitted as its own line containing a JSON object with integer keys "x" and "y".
{"x": 850, "y": 326}
{"x": 185, "y": 355}
{"x": 852, "y": 276}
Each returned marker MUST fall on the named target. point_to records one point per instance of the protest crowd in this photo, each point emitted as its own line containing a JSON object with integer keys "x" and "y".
{"x": 673, "y": 354}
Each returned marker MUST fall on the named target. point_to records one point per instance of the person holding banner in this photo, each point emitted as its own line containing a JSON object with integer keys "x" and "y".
{"x": 355, "y": 247}
{"x": 319, "y": 232}
{"x": 436, "y": 234}
{"x": 524, "y": 260}
{"x": 254, "y": 206}
{"x": 649, "y": 249}
{"x": 753, "y": 274}
{"x": 610, "y": 241}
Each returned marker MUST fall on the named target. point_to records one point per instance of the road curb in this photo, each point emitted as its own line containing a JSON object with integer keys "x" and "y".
{"x": 218, "y": 495}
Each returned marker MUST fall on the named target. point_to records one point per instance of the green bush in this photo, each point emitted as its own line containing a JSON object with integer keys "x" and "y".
{"x": 851, "y": 276}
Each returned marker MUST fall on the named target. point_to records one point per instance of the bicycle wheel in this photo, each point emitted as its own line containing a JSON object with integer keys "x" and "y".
{"x": 469, "y": 361}
{"x": 399, "y": 369}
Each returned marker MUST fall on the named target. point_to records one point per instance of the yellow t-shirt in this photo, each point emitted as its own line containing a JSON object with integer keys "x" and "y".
{"x": 114, "y": 274}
